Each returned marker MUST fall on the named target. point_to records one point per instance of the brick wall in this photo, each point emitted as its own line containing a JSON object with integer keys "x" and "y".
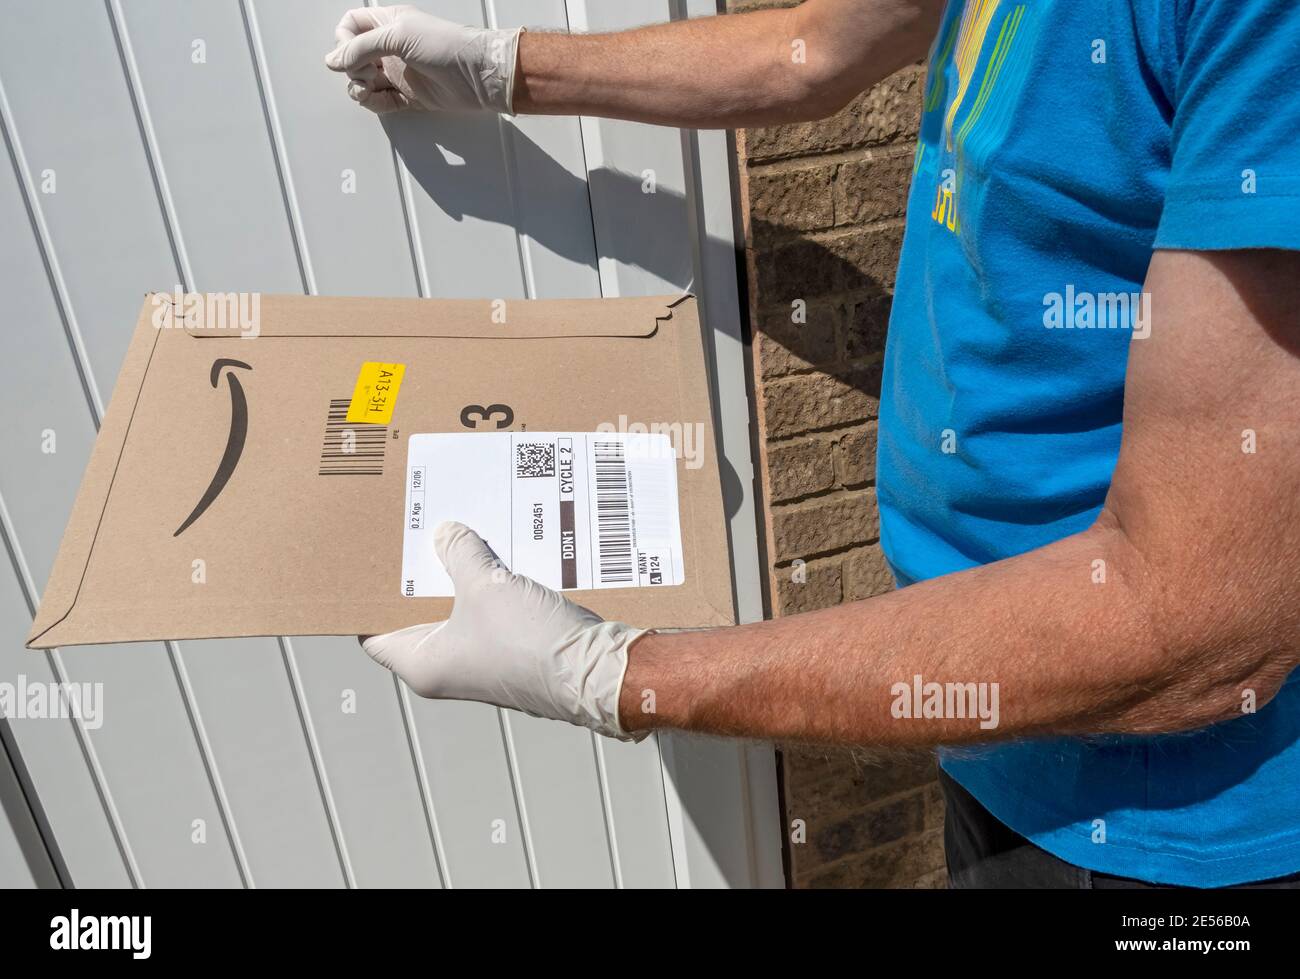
{"x": 824, "y": 206}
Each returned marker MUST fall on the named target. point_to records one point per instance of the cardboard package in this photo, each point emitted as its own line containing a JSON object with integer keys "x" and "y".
{"x": 233, "y": 491}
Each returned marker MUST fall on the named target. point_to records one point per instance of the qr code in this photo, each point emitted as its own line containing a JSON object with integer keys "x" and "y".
{"x": 534, "y": 459}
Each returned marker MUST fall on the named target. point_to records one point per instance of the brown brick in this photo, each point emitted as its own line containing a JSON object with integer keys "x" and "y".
{"x": 872, "y": 189}
{"x": 791, "y": 200}
{"x": 866, "y": 574}
{"x": 891, "y": 110}
{"x": 799, "y": 468}
{"x": 857, "y": 832}
{"x": 777, "y": 360}
{"x": 786, "y": 346}
{"x": 740, "y": 6}
{"x": 895, "y": 865}
{"x": 935, "y": 880}
{"x": 858, "y": 260}
{"x": 853, "y": 803}
{"x": 855, "y": 456}
{"x": 934, "y": 805}
{"x": 820, "y": 587}
{"x": 866, "y": 323}
{"x": 888, "y": 112}
{"x": 800, "y": 269}
{"x": 812, "y": 401}
{"x": 822, "y": 779}
{"x": 805, "y": 529}
{"x": 863, "y": 260}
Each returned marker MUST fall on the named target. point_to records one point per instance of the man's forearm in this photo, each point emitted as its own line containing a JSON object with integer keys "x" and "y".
{"x": 1178, "y": 608}
{"x": 759, "y": 68}
{"x": 1033, "y": 644}
{"x": 1172, "y": 612}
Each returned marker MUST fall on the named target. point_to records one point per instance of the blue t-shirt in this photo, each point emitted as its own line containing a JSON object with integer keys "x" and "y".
{"x": 1062, "y": 142}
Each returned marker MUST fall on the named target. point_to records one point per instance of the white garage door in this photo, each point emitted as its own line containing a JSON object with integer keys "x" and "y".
{"x": 203, "y": 144}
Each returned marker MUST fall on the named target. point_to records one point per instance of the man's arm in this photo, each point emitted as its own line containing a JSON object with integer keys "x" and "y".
{"x": 1196, "y": 617}
{"x": 758, "y": 68}
{"x": 1200, "y": 539}
{"x": 753, "y": 69}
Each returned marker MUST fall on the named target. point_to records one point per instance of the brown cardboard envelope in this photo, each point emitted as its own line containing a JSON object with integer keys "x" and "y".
{"x": 217, "y": 503}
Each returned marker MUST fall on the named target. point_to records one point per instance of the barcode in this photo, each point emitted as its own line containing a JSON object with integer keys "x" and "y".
{"x": 351, "y": 448}
{"x": 613, "y": 515}
{"x": 534, "y": 459}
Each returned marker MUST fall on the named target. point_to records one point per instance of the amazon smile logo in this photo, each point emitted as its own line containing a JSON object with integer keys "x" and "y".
{"x": 234, "y": 441}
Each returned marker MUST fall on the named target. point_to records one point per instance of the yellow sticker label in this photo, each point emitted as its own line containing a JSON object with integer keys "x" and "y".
{"x": 375, "y": 394}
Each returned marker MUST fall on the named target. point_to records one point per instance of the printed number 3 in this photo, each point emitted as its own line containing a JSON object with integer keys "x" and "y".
{"x": 472, "y": 415}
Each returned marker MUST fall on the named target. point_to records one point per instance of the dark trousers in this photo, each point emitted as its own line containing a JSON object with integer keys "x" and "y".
{"x": 984, "y": 852}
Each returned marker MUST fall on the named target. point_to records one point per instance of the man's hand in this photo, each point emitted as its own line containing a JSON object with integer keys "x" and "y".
{"x": 511, "y": 642}
{"x": 400, "y": 57}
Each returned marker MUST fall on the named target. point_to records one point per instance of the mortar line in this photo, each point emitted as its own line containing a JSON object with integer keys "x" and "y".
{"x": 816, "y": 159}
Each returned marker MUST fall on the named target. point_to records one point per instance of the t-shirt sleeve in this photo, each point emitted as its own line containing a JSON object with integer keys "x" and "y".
{"x": 1234, "y": 178}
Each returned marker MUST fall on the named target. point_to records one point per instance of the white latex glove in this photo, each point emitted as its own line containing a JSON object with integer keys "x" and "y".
{"x": 511, "y": 642}
{"x": 399, "y": 57}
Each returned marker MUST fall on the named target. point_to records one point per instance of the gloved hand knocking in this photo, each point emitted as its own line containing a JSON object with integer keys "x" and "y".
{"x": 400, "y": 57}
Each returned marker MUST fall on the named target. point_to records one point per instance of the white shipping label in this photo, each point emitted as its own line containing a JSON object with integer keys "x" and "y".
{"x": 568, "y": 509}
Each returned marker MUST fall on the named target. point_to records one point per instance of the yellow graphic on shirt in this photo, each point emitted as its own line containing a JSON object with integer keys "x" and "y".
{"x": 970, "y": 42}
{"x": 1006, "y": 37}
{"x": 945, "y": 207}
{"x": 964, "y": 43}
{"x": 936, "y": 82}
